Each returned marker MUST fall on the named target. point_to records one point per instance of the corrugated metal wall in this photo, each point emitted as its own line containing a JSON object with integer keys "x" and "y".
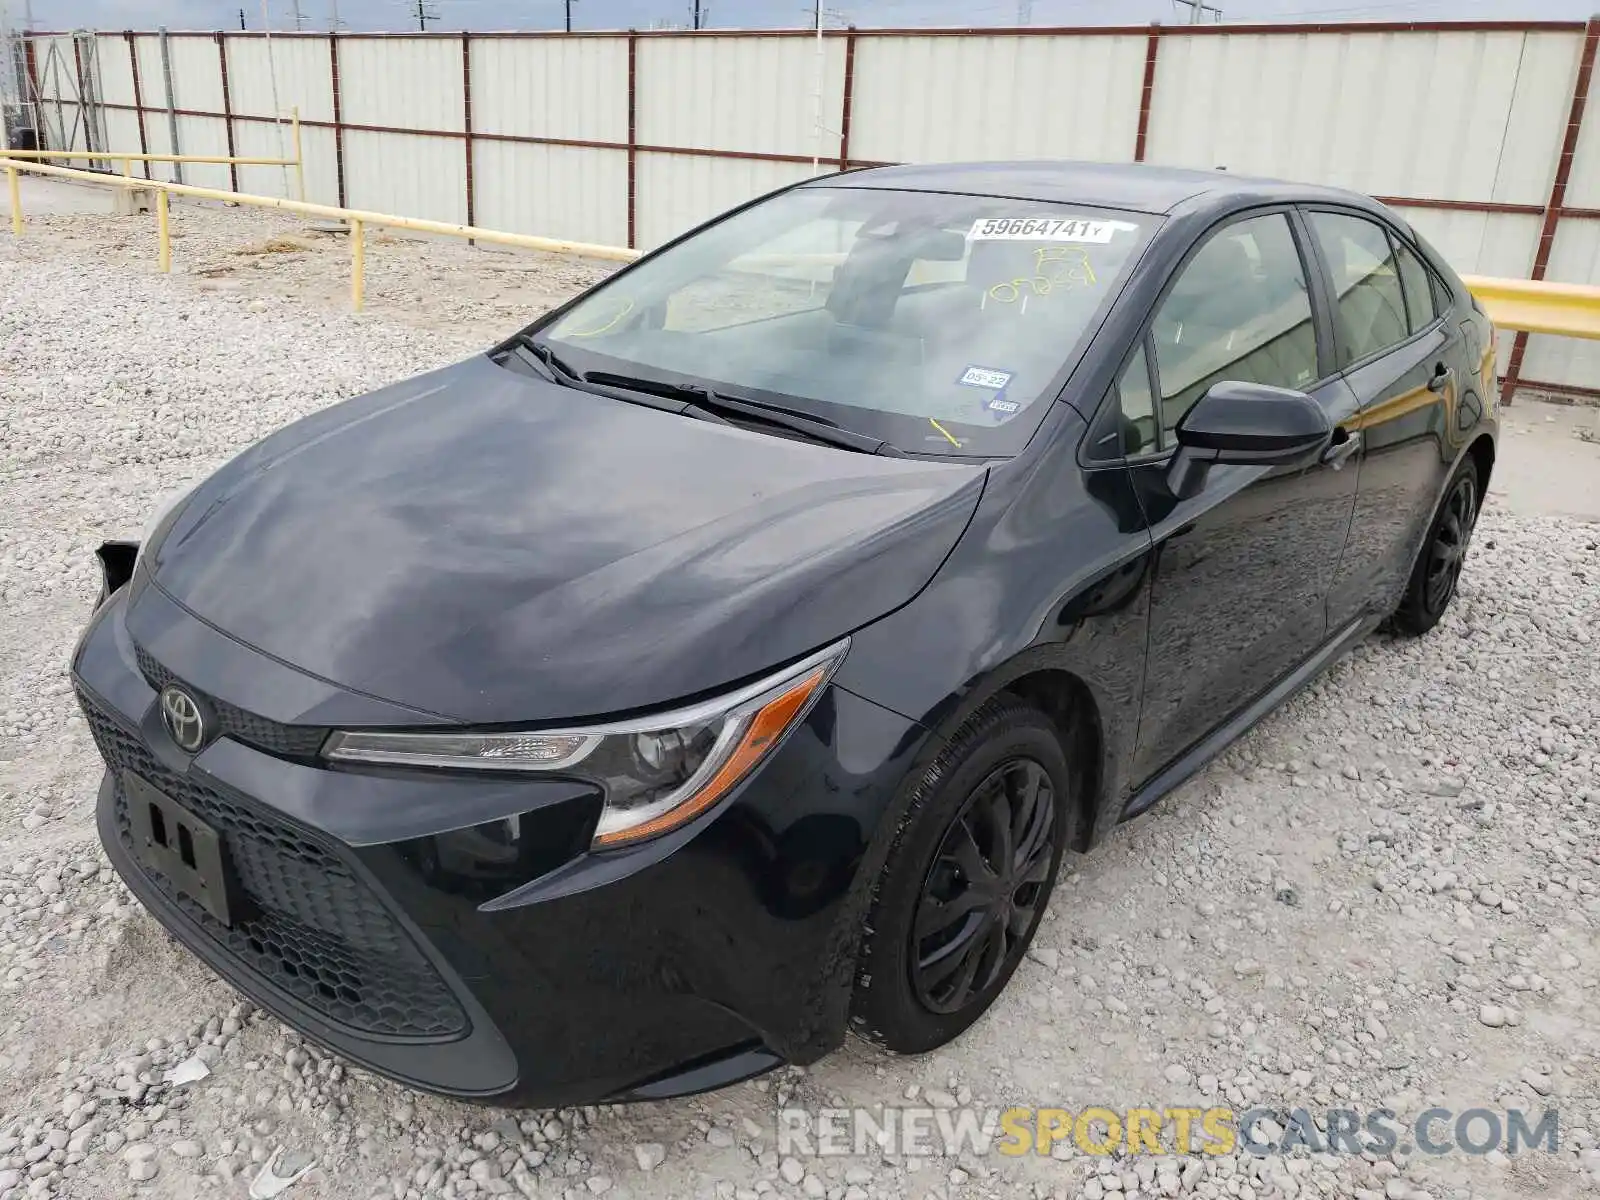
{"x": 632, "y": 138}
{"x": 570, "y": 90}
{"x": 930, "y": 99}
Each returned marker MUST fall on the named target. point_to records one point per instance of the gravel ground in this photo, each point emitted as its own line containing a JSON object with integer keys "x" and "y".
{"x": 1387, "y": 895}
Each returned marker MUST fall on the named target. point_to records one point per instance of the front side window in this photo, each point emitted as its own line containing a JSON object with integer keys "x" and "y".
{"x": 1371, "y": 312}
{"x": 1140, "y": 429}
{"x": 940, "y": 323}
{"x": 1239, "y": 310}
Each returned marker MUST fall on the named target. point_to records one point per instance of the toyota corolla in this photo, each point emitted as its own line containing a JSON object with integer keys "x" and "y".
{"x": 727, "y": 660}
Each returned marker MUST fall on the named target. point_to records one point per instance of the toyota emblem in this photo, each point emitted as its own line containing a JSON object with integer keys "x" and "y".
{"x": 181, "y": 715}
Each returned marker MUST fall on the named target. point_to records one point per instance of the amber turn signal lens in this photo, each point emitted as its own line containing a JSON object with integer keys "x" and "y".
{"x": 763, "y": 729}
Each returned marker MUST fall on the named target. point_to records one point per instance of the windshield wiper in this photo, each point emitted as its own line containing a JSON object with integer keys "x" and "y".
{"x": 531, "y": 350}
{"x": 558, "y": 370}
{"x": 705, "y": 402}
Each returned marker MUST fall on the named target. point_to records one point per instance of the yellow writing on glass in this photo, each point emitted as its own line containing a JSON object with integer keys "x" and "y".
{"x": 1053, "y": 267}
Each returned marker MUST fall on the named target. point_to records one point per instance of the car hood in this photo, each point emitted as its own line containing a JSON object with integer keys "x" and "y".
{"x": 488, "y": 547}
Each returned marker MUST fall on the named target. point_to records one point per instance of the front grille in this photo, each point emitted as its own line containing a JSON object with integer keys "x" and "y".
{"x": 290, "y": 741}
{"x": 307, "y": 924}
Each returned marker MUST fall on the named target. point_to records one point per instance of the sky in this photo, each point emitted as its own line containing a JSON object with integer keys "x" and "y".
{"x": 454, "y": 15}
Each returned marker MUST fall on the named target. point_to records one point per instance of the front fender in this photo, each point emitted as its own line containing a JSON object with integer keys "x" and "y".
{"x": 1052, "y": 576}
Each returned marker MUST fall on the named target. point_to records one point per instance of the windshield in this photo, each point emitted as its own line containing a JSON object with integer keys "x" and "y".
{"x": 936, "y": 322}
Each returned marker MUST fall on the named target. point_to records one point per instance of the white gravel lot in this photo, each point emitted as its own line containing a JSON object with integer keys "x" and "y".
{"x": 1387, "y": 895}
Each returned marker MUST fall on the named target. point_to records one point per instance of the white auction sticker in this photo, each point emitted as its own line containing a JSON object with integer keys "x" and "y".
{"x": 1046, "y": 229}
{"x": 985, "y": 377}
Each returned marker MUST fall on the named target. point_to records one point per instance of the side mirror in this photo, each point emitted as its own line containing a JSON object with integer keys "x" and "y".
{"x": 1246, "y": 423}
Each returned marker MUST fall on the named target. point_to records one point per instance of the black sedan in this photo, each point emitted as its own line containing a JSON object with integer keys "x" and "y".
{"x": 728, "y": 660}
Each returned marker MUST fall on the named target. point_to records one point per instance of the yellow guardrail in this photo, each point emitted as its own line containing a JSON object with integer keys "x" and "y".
{"x": 1535, "y": 306}
{"x": 357, "y": 219}
{"x": 119, "y": 156}
{"x": 1539, "y": 306}
{"x": 127, "y": 157}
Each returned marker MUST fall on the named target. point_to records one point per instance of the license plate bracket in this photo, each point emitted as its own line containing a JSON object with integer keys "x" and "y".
{"x": 168, "y": 838}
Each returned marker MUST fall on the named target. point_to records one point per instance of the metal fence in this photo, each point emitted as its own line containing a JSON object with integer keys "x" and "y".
{"x": 1474, "y": 131}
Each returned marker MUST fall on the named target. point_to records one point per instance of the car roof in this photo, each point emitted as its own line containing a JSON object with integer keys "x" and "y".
{"x": 1136, "y": 187}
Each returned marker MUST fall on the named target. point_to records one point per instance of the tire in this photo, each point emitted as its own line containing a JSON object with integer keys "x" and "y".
{"x": 987, "y": 767}
{"x": 1438, "y": 567}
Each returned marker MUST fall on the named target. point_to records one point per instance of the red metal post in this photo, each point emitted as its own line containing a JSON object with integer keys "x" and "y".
{"x": 466, "y": 117}
{"x": 849, "y": 97}
{"x": 1558, "y": 195}
{"x": 633, "y": 136}
{"x": 83, "y": 107}
{"x": 227, "y": 111}
{"x": 32, "y": 65}
{"x": 138, "y": 98}
{"x": 338, "y": 116}
{"x": 1152, "y": 47}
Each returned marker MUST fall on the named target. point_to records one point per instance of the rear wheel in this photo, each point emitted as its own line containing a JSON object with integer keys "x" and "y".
{"x": 967, "y": 880}
{"x": 1438, "y": 569}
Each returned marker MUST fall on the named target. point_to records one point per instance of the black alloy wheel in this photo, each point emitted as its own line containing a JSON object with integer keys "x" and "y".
{"x": 984, "y": 887}
{"x": 1438, "y": 568}
{"x": 1450, "y": 539}
{"x": 966, "y": 880}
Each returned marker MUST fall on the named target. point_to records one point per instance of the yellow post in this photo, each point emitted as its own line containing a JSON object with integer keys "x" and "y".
{"x": 127, "y": 167}
{"x": 299, "y": 159}
{"x": 164, "y": 233}
{"x": 16, "y": 201}
{"x": 358, "y": 264}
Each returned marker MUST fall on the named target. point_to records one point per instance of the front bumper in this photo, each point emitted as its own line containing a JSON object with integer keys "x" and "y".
{"x": 455, "y": 933}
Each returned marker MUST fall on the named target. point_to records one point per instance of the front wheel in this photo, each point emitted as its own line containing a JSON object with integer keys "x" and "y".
{"x": 967, "y": 880}
{"x": 1433, "y": 580}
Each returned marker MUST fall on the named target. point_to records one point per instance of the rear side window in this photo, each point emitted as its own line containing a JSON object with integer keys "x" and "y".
{"x": 1371, "y": 310}
{"x": 1239, "y": 310}
{"x": 1421, "y": 308}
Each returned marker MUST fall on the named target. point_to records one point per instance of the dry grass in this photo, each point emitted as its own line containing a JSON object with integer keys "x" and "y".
{"x": 276, "y": 245}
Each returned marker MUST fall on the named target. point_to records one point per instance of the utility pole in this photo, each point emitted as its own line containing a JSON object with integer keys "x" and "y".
{"x": 425, "y": 14}
{"x": 569, "y": 16}
{"x": 697, "y": 14}
{"x": 1198, "y": 9}
{"x": 241, "y": 18}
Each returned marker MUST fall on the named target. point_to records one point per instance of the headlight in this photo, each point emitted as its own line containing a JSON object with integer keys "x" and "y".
{"x": 658, "y": 772}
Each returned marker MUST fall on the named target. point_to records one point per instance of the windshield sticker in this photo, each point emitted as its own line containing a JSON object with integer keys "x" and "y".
{"x": 1000, "y": 406}
{"x": 1046, "y": 229}
{"x": 985, "y": 377}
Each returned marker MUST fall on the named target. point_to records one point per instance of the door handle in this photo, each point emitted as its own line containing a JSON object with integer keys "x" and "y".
{"x": 1441, "y": 376}
{"x": 1342, "y": 447}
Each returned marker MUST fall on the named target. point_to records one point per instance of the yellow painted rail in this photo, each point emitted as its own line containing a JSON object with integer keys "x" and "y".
{"x": 357, "y": 219}
{"x": 127, "y": 157}
{"x": 1563, "y": 309}
{"x": 119, "y": 156}
{"x": 1539, "y": 306}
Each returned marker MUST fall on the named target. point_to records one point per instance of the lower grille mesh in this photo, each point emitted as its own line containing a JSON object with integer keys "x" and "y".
{"x": 308, "y": 926}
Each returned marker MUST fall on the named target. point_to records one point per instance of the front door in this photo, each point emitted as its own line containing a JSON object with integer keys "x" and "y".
{"x": 1243, "y": 569}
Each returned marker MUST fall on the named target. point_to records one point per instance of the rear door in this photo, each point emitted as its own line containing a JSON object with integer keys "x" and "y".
{"x": 1406, "y": 363}
{"x": 1243, "y": 568}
